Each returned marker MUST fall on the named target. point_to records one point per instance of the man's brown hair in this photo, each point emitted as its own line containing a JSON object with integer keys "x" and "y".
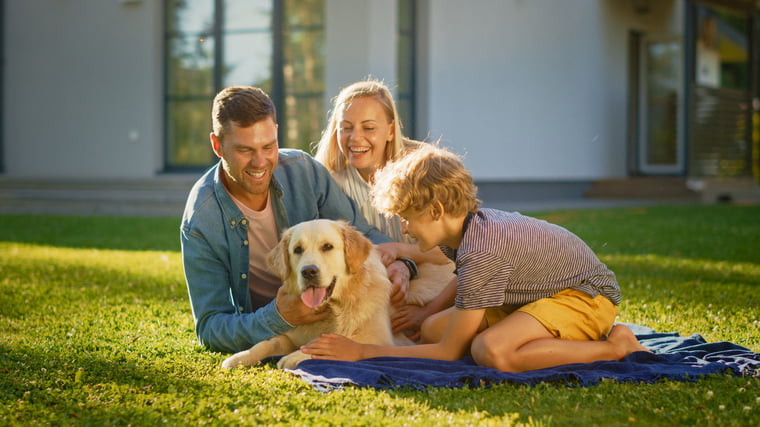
{"x": 242, "y": 106}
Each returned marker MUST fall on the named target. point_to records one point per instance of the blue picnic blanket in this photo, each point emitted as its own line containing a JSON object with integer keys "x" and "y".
{"x": 675, "y": 358}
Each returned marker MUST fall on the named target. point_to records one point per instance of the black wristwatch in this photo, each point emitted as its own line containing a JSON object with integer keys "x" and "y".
{"x": 411, "y": 265}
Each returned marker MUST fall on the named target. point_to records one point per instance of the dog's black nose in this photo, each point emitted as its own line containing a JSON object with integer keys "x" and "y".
{"x": 309, "y": 272}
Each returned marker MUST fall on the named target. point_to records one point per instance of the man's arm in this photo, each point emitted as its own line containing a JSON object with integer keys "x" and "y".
{"x": 220, "y": 321}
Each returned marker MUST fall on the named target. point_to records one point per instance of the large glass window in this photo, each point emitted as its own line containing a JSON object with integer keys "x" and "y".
{"x": 276, "y": 45}
{"x": 303, "y": 109}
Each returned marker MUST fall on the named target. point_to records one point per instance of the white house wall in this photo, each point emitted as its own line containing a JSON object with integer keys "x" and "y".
{"x": 533, "y": 90}
{"x": 360, "y": 40}
{"x": 526, "y": 89}
{"x": 83, "y": 89}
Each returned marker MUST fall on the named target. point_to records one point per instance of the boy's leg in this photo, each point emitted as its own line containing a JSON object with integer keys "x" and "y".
{"x": 521, "y": 343}
{"x": 434, "y": 326}
{"x": 565, "y": 328}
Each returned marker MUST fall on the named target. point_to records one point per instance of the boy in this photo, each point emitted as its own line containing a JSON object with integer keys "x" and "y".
{"x": 530, "y": 294}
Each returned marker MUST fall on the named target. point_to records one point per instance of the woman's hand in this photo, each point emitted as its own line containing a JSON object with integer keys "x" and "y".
{"x": 333, "y": 347}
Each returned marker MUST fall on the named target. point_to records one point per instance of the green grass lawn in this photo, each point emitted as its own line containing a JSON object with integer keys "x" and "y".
{"x": 95, "y": 328}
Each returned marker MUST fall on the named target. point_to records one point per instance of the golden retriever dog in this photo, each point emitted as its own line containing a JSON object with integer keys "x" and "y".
{"x": 333, "y": 266}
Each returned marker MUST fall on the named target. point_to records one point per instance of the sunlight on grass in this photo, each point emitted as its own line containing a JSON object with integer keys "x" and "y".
{"x": 718, "y": 299}
{"x": 96, "y": 329}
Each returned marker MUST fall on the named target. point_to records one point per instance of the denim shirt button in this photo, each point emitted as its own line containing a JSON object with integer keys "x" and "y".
{"x": 245, "y": 242}
{"x": 244, "y": 222}
{"x": 243, "y": 275}
{"x": 232, "y": 223}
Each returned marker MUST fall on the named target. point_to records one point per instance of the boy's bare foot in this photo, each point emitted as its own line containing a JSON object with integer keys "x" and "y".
{"x": 624, "y": 341}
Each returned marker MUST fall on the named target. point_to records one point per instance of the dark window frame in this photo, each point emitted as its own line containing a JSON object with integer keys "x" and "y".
{"x": 2, "y": 91}
{"x": 408, "y": 120}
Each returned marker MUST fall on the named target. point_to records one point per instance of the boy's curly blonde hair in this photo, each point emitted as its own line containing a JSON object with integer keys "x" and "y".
{"x": 418, "y": 179}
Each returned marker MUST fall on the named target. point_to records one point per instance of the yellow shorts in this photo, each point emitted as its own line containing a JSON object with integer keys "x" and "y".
{"x": 570, "y": 315}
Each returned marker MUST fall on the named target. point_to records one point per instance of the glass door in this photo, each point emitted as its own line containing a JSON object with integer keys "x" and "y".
{"x": 661, "y": 103}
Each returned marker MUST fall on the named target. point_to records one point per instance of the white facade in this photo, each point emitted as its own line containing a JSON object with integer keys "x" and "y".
{"x": 533, "y": 90}
{"x": 527, "y": 89}
{"x": 82, "y": 89}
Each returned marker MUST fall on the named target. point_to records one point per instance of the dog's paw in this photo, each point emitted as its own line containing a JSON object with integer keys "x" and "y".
{"x": 292, "y": 360}
{"x": 234, "y": 361}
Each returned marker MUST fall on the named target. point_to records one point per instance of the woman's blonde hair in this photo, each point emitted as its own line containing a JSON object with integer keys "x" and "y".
{"x": 328, "y": 150}
{"x": 422, "y": 177}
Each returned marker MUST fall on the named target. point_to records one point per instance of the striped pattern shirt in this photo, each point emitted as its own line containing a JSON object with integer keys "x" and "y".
{"x": 510, "y": 259}
{"x": 358, "y": 189}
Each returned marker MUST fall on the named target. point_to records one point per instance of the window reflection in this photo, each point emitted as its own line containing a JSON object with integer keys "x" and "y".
{"x": 247, "y": 15}
{"x": 188, "y": 122}
{"x": 303, "y": 73}
{"x": 247, "y": 29}
{"x": 208, "y": 49}
{"x": 248, "y": 60}
{"x": 663, "y": 59}
{"x": 722, "y": 49}
{"x": 190, "y": 65}
{"x": 190, "y": 16}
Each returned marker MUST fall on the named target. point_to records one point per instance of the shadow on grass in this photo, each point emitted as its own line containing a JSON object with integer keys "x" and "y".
{"x": 72, "y": 387}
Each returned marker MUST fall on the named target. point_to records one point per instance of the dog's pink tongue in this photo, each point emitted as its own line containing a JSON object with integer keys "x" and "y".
{"x": 312, "y": 297}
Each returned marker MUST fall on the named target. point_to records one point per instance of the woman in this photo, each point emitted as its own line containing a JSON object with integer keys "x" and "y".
{"x": 362, "y": 135}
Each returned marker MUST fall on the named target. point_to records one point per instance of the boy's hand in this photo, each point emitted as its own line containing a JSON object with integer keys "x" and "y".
{"x": 333, "y": 347}
{"x": 388, "y": 252}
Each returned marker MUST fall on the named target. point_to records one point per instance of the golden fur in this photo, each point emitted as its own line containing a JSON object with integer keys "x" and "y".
{"x": 333, "y": 255}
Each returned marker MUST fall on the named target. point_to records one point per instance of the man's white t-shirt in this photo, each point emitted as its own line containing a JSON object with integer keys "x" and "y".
{"x": 262, "y": 238}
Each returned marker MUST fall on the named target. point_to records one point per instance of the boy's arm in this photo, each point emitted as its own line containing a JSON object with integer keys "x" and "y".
{"x": 443, "y": 300}
{"x": 462, "y": 328}
{"x": 393, "y": 250}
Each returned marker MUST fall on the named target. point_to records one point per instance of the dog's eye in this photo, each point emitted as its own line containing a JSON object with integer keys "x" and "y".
{"x": 298, "y": 250}
{"x": 326, "y": 247}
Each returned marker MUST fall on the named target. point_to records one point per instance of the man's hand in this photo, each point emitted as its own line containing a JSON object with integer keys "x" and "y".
{"x": 398, "y": 273}
{"x": 295, "y": 312}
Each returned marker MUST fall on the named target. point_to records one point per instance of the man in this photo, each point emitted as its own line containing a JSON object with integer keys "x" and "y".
{"x": 234, "y": 216}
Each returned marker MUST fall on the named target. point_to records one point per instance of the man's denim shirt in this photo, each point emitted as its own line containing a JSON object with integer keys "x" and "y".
{"x": 214, "y": 235}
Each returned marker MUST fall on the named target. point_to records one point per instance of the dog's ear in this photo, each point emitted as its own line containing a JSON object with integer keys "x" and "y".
{"x": 278, "y": 258}
{"x": 356, "y": 248}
